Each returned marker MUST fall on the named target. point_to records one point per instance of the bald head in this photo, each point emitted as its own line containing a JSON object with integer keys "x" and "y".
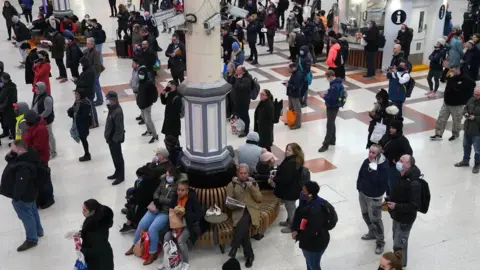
{"x": 397, "y": 48}
{"x": 407, "y": 162}
{"x": 476, "y": 93}
{"x": 240, "y": 70}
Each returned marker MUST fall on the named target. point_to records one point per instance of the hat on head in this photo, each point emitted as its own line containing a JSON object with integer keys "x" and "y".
{"x": 31, "y": 117}
{"x": 68, "y": 34}
{"x": 398, "y": 125}
{"x": 112, "y": 95}
{"x": 253, "y": 136}
{"x": 162, "y": 152}
{"x": 235, "y": 46}
{"x": 441, "y": 41}
{"x": 267, "y": 156}
{"x": 6, "y": 76}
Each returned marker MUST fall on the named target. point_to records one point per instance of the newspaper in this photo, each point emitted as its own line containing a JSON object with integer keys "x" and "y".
{"x": 232, "y": 202}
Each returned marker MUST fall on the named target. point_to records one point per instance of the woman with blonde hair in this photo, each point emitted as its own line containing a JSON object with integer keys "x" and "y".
{"x": 287, "y": 181}
{"x": 391, "y": 261}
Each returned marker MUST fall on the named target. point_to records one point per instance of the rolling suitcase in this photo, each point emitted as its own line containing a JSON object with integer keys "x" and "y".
{"x": 121, "y": 48}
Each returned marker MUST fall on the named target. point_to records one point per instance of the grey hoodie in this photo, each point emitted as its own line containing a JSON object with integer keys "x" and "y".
{"x": 47, "y": 102}
{"x": 22, "y": 126}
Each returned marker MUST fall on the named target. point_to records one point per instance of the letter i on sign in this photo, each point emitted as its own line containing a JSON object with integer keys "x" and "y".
{"x": 399, "y": 17}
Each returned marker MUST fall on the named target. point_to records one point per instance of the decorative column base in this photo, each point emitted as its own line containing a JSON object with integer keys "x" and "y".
{"x": 207, "y": 161}
{"x": 62, "y": 13}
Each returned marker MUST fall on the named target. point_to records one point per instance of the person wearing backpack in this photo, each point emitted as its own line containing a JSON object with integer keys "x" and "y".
{"x": 173, "y": 107}
{"x": 398, "y": 80}
{"x": 335, "y": 60}
{"x": 287, "y": 182}
{"x": 404, "y": 202}
{"x": 313, "y": 220}
{"x": 334, "y": 98}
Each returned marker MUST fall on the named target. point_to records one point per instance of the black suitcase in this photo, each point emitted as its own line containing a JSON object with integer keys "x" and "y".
{"x": 121, "y": 48}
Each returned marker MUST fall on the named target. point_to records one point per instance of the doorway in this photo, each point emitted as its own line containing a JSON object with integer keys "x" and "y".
{"x": 419, "y": 25}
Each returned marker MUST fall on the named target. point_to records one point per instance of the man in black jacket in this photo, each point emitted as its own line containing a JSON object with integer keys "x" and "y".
{"x": 227, "y": 41}
{"x": 147, "y": 95}
{"x": 310, "y": 224}
{"x": 371, "y": 38}
{"x": 398, "y": 56}
{"x": 173, "y": 109}
{"x": 115, "y": 135}
{"x": 19, "y": 182}
{"x": 241, "y": 97}
{"x": 458, "y": 91}
{"x": 99, "y": 35}
{"x": 86, "y": 82}
{"x": 58, "y": 51}
{"x": 404, "y": 203}
{"x": 176, "y": 59}
{"x": 21, "y": 35}
{"x": 147, "y": 57}
{"x": 404, "y": 38}
{"x": 252, "y": 31}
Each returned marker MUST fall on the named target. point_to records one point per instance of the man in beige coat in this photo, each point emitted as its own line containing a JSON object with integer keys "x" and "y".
{"x": 246, "y": 190}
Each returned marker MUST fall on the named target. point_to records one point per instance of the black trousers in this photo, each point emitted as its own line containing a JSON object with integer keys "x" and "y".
{"x": 61, "y": 67}
{"x": 330, "y": 137}
{"x": 178, "y": 76}
{"x": 85, "y": 145}
{"x": 119, "y": 32}
{"x": 339, "y": 71}
{"x": 117, "y": 158}
{"x": 74, "y": 71}
{"x": 241, "y": 236}
{"x": 280, "y": 14}
{"x": 28, "y": 15}
{"x": 242, "y": 113}
{"x": 318, "y": 48}
{"x": 113, "y": 8}
{"x": 261, "y": 36}
{"x": 270, "y": 38}
{"x": 9, "y": 28}
{"x": 293, "y": 53}
{"x": 370, "y": 59}
{"x": 444, "y": 74}
{"x": 253, "y": 49}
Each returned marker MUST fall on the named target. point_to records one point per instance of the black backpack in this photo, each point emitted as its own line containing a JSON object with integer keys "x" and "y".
{"x": 332, "y": 217}
{"x": 277, "y": 110}
{"x": 381, "y": 41}
{"x": 409, "y": 86}
{"x": 424, "y": 194}
{"x": 255, "y": 90}
{"x": 344, "y": 47}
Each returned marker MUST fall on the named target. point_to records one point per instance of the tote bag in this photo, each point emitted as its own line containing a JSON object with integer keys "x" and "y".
{"x": 378, "y": 132}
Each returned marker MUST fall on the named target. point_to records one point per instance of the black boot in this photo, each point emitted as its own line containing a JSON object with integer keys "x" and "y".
{"x": 85, "y": 157}
{"x": 232, "y": 253}
{"x": 249, "y": 262}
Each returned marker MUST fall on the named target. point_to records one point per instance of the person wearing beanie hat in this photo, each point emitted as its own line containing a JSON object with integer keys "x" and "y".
{"x": 471, "y": 60}
{"x": 8, "y": 96}
{"x": 231, "y": 264}
{"x": 394, "y": 145}
{"x": 238, "y": 56}
{"x": 436, "y": 66}
{"x": 249, "y": 153}
{"x": 73, "y": 53}
{"x": 115, "y": 135}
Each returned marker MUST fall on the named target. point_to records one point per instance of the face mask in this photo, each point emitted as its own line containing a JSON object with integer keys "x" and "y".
{"x": 403, "y": 30}
{"x": 156, "y": 159}
{"x": 170, "y": 179}
{"x": 107, "y": 102}
{"x": 303, "y": 196}
{"x": 301, "y": 53}
{"x": 373, "y": 166}
{"x": 90, "y": 27}
{"x": 67, "y": 41}
{"x": 400, "y": 69}
{"x": 369, "y": 25}
{"x": 141, "y": 77}
{"x": 399, "y": 166}
{"x": 270, "y": 12}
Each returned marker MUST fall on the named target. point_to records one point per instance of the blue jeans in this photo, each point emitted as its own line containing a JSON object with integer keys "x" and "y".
{"x": 393, "y": 176}
{"x": 468, "y": 141}
{"x": 27, "y": 212}
{"x": 313, "y": 259}
{"x": 99, "y": 48}
{"x": 154, "y": 223}
{"x": 98, "y": 91}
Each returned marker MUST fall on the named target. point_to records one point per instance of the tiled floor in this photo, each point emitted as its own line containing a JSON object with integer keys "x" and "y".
{"x": 444, "y": 239}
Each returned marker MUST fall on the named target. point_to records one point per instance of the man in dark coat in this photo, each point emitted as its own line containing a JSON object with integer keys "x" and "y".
{"x": 173, "y": 109}
{"x": 8, "y": 12}
{"x": 58, "y": 51}
{"x": 115, "y": 135}
{"x": 471, "y": 60}
{"x": 8, "y": 96}
{"x": 147, "y": 57}
{"x": 73, "y": 53}
{"x": 22, "y": 34}
{"x": 371, "y": 49}
{"x": 86, "y": 82}
{"x": 227, "y": 41}
{"x": 146, "y": 97}
{"x": 264, "y": 120}
{"x": 241, "y": 97}
{"x": 404, "y": 38}
{"x": 176, "y": 59}
{"x": 252, "y": 31}
{"x": 29, "y": 62}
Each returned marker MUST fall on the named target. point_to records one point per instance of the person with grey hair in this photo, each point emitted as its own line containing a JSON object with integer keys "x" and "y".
{"x": 404, "y": 202}
{"x": 249, "y": 153}
{"x": 21, "y": 35}
{"x": 94, "y": 57}
{"x": 244, "y": 189}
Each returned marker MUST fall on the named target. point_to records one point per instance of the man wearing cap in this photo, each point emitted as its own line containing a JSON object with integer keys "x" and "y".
{"x": 43, "y": 105}
{"x": 115, "y": 135}
{"x": 173, "y": 109}
{"x": 58, "y": 51}
{"x": 176, "y": 59}
{"x": 8, "y": 96}
{"x": 22, "y": 34}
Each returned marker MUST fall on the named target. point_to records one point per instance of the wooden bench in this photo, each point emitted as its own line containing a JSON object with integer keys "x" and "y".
{"x": 269, "y": 209}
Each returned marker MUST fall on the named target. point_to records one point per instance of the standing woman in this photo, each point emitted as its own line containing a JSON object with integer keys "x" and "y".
{"x": 123, "y": 16}
{"x": 271, "y": 25}
{"x": 41, "y": 69}
{"x": 263, "y": 125}
{"x": 8, "y": 12}
{"x": 95, "y": 230}
{"x": 82, "y": 114}
{"x": 287, "y": 182}
{"x": 136, "y": 38}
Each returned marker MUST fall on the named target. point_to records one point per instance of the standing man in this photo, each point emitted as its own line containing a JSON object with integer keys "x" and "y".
{"x": 173, "y": 109}
{"x": 404, "y": 38}
{"x": 252, "y": 30}
{"x": 58, "y": 51}
{"x": 176, "y": 59}
{"x": 334, "y": 98}
{"x": 271, "y": 25}
{"x": 43, "y": 105}
{"x": 404, "y": 203}
{"x": 398, "y": 56}
{"x": 471, "y": 136}
{"x": 294, "y": 93}
{"x": 94, "y": 58}
{"x": 99, "y": 36}
{"x": 147, "y": 57}
{"x": 8, "y": 96}
{"x": 244, "y": 189}
{"x": 115, "y": 135}
{"x": 371, "y": 38}
{"x": 241, "y": 97}
{"x": 19, "y": 184}
{"x": 21, "y": 35}
{"x": 27, "y": 6}
{"x": 281, "y": 8}
{"x": 371, "y": 185}
{"x": 146, "y": 97}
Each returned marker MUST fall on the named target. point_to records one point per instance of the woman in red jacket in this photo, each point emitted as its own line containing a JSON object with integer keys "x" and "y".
{"x": 41, "y": 69}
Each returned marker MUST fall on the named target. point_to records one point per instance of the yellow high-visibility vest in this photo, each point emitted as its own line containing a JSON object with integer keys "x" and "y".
{"x": 18, "y": 132}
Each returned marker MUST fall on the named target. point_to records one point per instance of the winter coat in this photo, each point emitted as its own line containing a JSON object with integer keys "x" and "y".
{"x": 332, "y": 56}
{"x": 381, "y": 116}
{"x": 372, "y": 183}
{"x": 459, "y": 90}
{"x": 36, "y": 136}
{"x": 136, "y": 40}
{"x": 238, "y": 57}
{"x": 86, "y": 81}
{"x": 162, "y": 196}
{"x": 397, "y": 59}
{"x": 436, "y": 58}
{"x": 263, "y": 122}
{"x": 147, "y": 94}
{"x": 405, "y": 39}
{"x": 26, "y": 4}
{"x": 472, "y": 127}
{"x": 173, "y": 107}
{"x": 249, "y": 153}
{"x": 315, "y": 237}
{"x": 19, "y": 176}
{"x": 82, "y": 113}
{"x": 8, "y": 13}
{"x": 271, "y": 24}
{"x": 287, "y": 180}
{"x": 29, "y": 63}
{"x": 42, "y": 74}
{"x": 74, "y": 54}
{"x": 252, "y": 31}
{"x": 447, "y": 29}
{"x": 58, "y": 46}
{"x": 142, "y": 194}
{"x": 95, "y": 245}
{"x": 22, "y": 33}
{"x": 123, "y": 19}
{"x": 395, "y": 146}
{"x": 241, "y": 92}
{"x": 471, "y": 62}
{"x": 8, "y": 96}
{"x": 291, "y": 24}
{"x": 455, "y": 53}
{"x": 227, "y": 47}
{"x": 147, "y": 57}
{"x": 296, "y": 84}
{"x": 371, "y": 37}
{"x": 114, "y": 126}
{"x": 194, "y": 214}
{"x": 335, "y": 92}
{"x": 407, "y": 196}
{"x": 396, "y": 85}
{"x": 250, "y": 196}
{"x": 98, "y": 34}
{"x": 94, "y": 58}
{"x": 177, "y": 63}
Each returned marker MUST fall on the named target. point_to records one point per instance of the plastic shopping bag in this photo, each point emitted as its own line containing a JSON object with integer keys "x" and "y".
{"x": 237, "y": 125}
{"x": 291, "y": 118}
{"x": 378, "y": 132}
{"x": 80, "y": 262}
{"x": 171, "y": 256}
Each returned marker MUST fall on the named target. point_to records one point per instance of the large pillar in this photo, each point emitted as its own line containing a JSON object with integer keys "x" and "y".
{"x": 393, "y": 19}
{"x": 435, "y": 23}
{"x": 61, "y": 8}
{"x": 206, "y": 157}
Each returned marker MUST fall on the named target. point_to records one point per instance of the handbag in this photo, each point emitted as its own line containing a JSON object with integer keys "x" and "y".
{"x": 174, "y": 220}
{"x": 142, "y": 246}
{"x": 378, "y": 132}
{"x": 291, "y": 118}
{"x": 152, "y": 208}
{"x": 80, "y": 263}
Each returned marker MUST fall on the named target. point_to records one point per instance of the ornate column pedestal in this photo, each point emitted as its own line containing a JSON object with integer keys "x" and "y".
{"x": 61, "y": 8}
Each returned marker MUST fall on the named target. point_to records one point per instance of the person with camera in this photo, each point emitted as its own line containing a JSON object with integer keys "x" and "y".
{"x": 245, "y": 190}
{"x": 398, "y": 77}
{"x": 173, "y": 109}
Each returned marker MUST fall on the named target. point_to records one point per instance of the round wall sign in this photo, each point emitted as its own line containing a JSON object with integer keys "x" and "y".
{"x": 399, "y": 17}
{"x": 441, "y": 12}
